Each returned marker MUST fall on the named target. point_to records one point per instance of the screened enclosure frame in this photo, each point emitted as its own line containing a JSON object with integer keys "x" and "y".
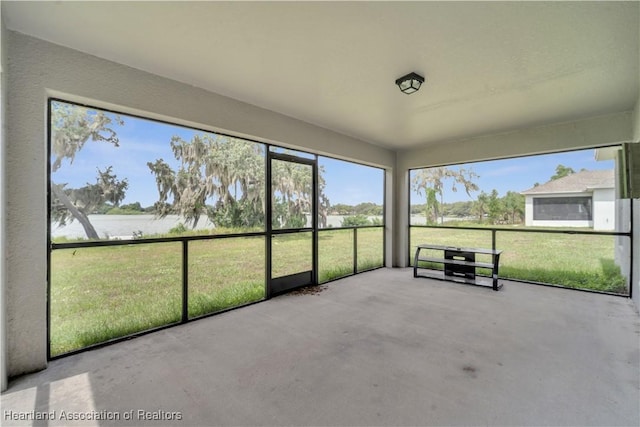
{"x": 494, "y": 230}
{"x": 267, "y": 233}
{"x": 278, "y": 285}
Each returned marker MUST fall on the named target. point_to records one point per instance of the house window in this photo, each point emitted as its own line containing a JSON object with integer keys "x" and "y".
{"x": 562, "y": 209}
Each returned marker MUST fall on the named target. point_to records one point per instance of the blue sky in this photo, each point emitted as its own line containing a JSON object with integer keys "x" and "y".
{"x": 519, "y": 174}
{"x": 146, "y": 140}
{"x": 143, "y": 140}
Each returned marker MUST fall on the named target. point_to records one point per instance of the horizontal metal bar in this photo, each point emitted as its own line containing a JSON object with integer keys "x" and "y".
{"x": 441, "y": 275}
{"x": 351, "y": 274}
{"x": 96, "y": 243}
{"x": 481, "y": 251}
{"x": 371, "y": 269}
{"x": 150, "y": 331}
{"x": 550, "y": 285}
{"x": 282, "y": 284}
{"x": 350, "y": 227}
{"x": 224, "y": 310}
{"x": 292, "y": 231}
{"x": 116, "y": 340}
{"x": 292, "y": 158}
{"x": 553, "y": 285}
{"x": 456, "y": 262}
{"x": 527, "y": 230}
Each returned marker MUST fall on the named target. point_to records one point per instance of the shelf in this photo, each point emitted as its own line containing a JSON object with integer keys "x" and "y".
{"x": 461, "y": 249}
{"x": 459, "y": 265}
{"x": 482, "y": 281}
{"x": 457, "y": 262}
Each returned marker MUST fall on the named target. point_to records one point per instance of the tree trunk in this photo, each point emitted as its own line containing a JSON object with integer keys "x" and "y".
{"x": 77, "y": 214}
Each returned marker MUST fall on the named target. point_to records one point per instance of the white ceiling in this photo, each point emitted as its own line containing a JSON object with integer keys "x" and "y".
{"x": 490, "y": 66}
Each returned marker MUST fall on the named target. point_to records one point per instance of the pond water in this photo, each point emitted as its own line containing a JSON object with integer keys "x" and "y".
{"x": 124, "y": 226}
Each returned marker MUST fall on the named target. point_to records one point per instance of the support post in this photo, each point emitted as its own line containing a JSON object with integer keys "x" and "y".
{"x": 185, "y": 281}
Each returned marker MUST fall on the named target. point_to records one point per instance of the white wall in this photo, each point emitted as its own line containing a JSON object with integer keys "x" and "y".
{"x": 3, "y": 104}
{"x": 623, "y": 220}
{"x": 636, "y": 121}
{"x": 635, "y": 285}
{"x": 38, "y": 69}
{"x": 604, "y": 209}
{"x": 587, "y": 133}
{"x": 528, "y": 211}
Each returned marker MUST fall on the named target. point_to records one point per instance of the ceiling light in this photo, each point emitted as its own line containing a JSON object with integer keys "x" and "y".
{"x": 410, "y": 83}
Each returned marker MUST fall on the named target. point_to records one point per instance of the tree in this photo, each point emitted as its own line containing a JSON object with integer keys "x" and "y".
{"x": 561, "y": 172}
{"x": 323, "y": 203}
{"x": 292, "y": 194}
{"x": 458, "y": 209}
{"x": 514, "y": 206}
{"x": 418, "y": 209}
{"x": 231, "y": 170}
{"x": 368, "y": 209}
{"x": 433, "y": 179}
{"x": 494, "y": 207}
{"x": 133, "y": 207}
{"x": 342, "y": 209}
{"x": 71, "y": 127}
{"x": 212, "y": 166}
{"x": 480, "y": 206}
{"x": 431, "y": 207}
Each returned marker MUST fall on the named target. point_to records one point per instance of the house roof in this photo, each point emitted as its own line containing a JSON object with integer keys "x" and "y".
{"x": 579, "y": 182}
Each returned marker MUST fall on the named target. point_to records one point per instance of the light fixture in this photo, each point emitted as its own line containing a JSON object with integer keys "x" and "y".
{"x": 410, "y": 83}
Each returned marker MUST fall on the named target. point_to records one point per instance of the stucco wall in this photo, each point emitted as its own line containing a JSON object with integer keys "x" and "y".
{"x": 636, "y": 121}
{"x": 38, "y": 69}
{"x": 604, "y": 210}
{"x": 3, "y": 109}
{"x": 635, "y": 291}
{"x": 623, "y": 244}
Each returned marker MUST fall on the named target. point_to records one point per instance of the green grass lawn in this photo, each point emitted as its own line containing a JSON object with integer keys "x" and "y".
{"x": 225, "y": 273}
{"x": 570, "y": 260}
{"x": 102, "y": 293}
{"x": 106, "y": 292}
{"x": 335, "y": 252}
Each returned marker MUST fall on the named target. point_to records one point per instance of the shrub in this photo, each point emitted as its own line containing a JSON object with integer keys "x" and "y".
{"x": 376, "y": 221}
{"x": 178, "y": 229}
{"x": 355, "y": 221}
{"x": 236, "y": 214}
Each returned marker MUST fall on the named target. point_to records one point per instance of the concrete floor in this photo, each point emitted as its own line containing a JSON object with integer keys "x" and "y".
{"x": 380, "y": 348}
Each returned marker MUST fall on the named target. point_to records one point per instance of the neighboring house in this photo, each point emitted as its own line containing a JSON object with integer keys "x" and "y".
{"x": 582, "y": 199}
